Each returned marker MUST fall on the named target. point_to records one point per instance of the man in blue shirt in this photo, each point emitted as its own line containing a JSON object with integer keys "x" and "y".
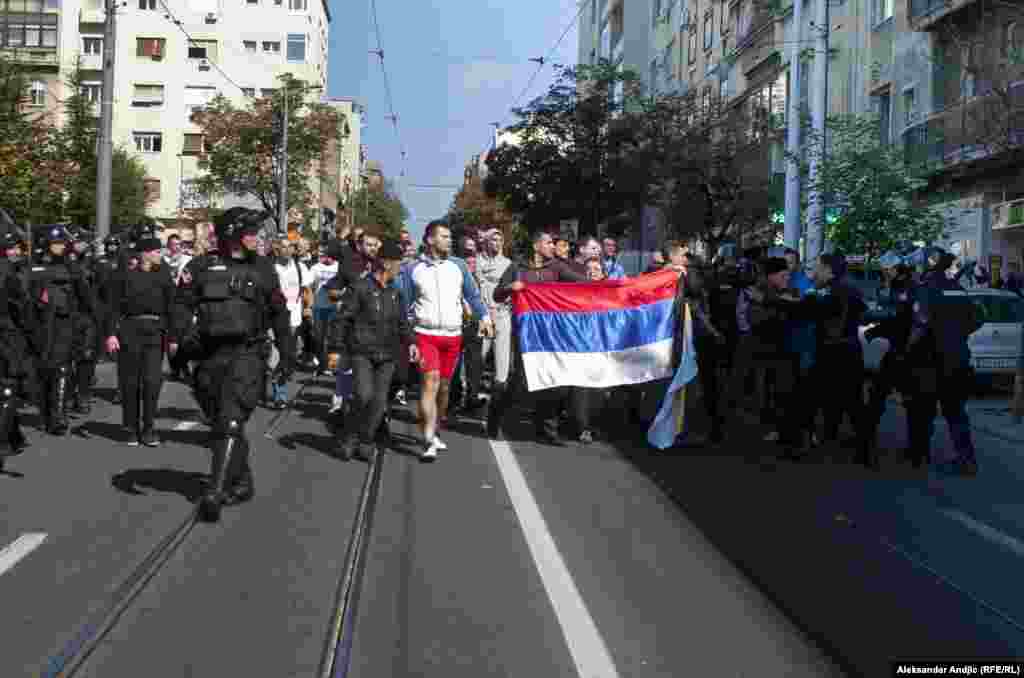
{"x": 612, "y": 268}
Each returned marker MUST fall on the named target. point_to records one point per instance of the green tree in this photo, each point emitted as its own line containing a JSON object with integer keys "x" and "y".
{"x": 242, "y": 147}
{"x": 869, "y": 190}
{"x": 379, "y": 207}
{"x": 708, "y": 165}
{"x": 570, "y": 159}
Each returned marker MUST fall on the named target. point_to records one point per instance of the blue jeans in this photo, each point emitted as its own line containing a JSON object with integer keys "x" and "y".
{"x": 279, "y": 392}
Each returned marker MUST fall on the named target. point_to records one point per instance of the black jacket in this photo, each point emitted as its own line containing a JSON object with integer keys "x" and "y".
{"x": 371, "y": 320}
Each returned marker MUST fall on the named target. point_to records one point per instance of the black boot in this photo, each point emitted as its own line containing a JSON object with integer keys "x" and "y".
{"x": 83, "y": 388}
{"x": 242, "y": 485}
{"x": 12, "y": 440}
{"x": 347, "y": 448}
{"x": 215, "y": 495}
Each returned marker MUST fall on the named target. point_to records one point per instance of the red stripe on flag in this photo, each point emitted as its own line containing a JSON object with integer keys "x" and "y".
{"x": 607, "y": 295}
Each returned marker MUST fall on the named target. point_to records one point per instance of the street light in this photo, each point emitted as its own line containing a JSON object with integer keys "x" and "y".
{"x": 282, "y": 219}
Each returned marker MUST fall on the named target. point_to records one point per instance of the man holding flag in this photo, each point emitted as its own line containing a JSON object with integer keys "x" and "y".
{"x": 541, "y": 267}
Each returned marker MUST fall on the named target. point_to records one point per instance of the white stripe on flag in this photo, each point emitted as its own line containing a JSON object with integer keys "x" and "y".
{"x": 599, "y": 370}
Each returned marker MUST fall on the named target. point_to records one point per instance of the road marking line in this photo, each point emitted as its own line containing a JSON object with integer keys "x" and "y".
{"x": 986, "y": 531}
{"x": 19, "y": 548}
{"x": 186, "y": 425}
{"x": 589, "y": 653}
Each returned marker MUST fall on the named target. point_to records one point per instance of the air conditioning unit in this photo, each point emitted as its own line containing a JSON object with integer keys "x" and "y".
{"x": 204, "y": 64}
{"x": 211, "y": 18}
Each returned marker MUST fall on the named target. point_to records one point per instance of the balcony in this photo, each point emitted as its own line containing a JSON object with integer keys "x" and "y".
{"x": 1007, "y": 215}
{"x": 32, "y": 56}
{"x": 923, "y": 14}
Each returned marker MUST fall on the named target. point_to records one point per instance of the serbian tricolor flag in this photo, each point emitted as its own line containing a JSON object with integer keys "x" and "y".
{"x": 670, "y": 422}
{"x": 597, "y": 335}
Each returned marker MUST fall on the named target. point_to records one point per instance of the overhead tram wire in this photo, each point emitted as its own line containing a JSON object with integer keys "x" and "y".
{"x": 541, "y": 61}
{"x": 379, "y": 52}
{"x": 192, "y": 41}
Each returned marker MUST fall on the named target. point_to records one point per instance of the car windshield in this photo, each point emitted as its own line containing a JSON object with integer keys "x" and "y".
{"x": 999, "y": 309}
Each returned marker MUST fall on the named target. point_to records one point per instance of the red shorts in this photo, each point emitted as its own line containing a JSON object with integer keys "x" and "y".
{"x": 438, "y": 354}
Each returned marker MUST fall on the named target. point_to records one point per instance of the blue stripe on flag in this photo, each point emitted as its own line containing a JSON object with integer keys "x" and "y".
{"x": 670, "y": 421}
{"x": 597, "y": 332}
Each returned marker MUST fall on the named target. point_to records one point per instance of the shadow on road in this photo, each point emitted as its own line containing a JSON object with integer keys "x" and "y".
{"x": 188, "y": 484}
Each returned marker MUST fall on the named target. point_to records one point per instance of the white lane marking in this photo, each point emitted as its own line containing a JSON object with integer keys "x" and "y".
{"x": 589, "y": 653}
{"x": 186, "y": 425}
{"x": 987, "y": 531}
{"x": 19, "y": 548}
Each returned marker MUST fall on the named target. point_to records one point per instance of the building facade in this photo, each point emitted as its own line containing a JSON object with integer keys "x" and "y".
{"x": 617, "y": 31}
{"x": 169, "y": 60}
{"x": 342, "y": 171}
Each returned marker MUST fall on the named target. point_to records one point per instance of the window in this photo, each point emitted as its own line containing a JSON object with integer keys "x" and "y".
{"x": 203, "y": 49}
{"x": 92, "y": 91}
{"x": 1010, "y": 48}
{"x": 910, "y": 105}
{"x": 252, "y": 2}
{"x": 709, "y": 32}
{"x": 272, "y": 47}
{"x": 249, "y": 45}
{"x": 193, "y": 145}
{"x": 147, "y": 96}
{"x": 28, "y": 30}
{"x": 734, "y": 18}
{"x": 267, "y": 93}
{"x": 654, "y": 76}
{"x": 883, "y": 104}
{"x": 152, "y": 48}
{"x": 151, "y": 189}
{"x": 656, "y": 14}
{"x": 37, "y": 93}
{"x": 92, "y": 46}
{"x": 691, "y": 47}
{"x": 148, "y": 142}
{"x": 296, "y": 47}
{"x": 147, "y": 5}
{"x": 967, "y": 79}
{"x": 249, "y": 92}
{"x": 278, "y": 3}
{"x": 883, "y": 10}
{"x": 297, "y": 5}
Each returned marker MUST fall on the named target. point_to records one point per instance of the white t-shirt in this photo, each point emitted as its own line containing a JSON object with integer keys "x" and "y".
{"x": 289, "y": 276}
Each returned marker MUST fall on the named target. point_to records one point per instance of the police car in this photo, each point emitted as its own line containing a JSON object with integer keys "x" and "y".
{"x": 995, "y": 348}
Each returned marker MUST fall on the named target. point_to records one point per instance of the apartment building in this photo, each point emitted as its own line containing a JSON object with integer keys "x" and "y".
{"x": 615, "y": 30}
{"x": 341, "y": 171}
{"x": 238, "y": 48}
{"x": 961, "y": 108}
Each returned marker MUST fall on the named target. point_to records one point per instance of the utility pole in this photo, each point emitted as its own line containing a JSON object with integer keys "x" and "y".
{"x": 792, "y": 228}
{"x": 282, "y": 219}
{"x": 106, "y": 149}
{"x": 819, "y": 114}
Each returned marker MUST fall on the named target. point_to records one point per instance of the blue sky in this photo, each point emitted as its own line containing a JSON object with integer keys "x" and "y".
{"x": 454, "y": 67}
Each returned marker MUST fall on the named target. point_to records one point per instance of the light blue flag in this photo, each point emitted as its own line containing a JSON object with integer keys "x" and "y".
{"x": 671, "y": 419}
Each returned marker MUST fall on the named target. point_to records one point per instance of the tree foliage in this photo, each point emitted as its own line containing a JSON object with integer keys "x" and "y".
{"x": 473, "y": 211}
{"x": 48, "y": 174}
{"x": 569, "y": 159}
{"x": 708, "y": 167}
{"x": 242, "y": 147}
{"x": 871, "y": 187}
{"x": 381, "y": 207}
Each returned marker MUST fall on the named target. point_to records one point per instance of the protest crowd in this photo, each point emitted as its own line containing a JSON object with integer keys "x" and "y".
{"x": 451, "y": 321}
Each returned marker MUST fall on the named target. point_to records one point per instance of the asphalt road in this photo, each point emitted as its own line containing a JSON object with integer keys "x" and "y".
{"x": 495, "y": 560}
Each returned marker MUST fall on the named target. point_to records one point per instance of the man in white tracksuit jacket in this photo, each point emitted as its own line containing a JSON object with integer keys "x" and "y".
{"x": 433, "y": 288}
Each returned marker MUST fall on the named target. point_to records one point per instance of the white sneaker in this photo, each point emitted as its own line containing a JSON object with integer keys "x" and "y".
{"x": 336, "y": 404}
{"x": 400, "y": 397}
{"x": 430, "y": 452}
{"x": 440, "y": 444}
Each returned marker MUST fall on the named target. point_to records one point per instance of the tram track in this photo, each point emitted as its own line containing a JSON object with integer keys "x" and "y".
{"x": 70, "y": 659}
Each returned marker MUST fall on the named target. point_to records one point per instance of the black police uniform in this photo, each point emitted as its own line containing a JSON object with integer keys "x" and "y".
{"x": 87, "y": 339}
{"x": 938, "y": 362}
{"x": 235, "y": 299}
{"x": 894, "y": 320}
{"x": 140, "y": 315}
{"x": 57, "y": 294}
{"x": 15, "y": 359}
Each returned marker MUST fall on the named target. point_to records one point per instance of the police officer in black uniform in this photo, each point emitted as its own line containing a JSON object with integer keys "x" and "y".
{"x": 937, "y": 359}
{"x": 106, "y": 269}
{"x": 15, "y": 359}
{"x": 88, "y": 324}
{"x": 236, "y": 297}
{"x": 140, "y": 319}
{"x": 57, "y": 294}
